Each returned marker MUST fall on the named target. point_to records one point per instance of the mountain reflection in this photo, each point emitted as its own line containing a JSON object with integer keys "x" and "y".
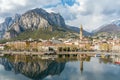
{"x": 35, "y": 68}
{"x": 62, "y": 68}
{"x": 32, "y": 67}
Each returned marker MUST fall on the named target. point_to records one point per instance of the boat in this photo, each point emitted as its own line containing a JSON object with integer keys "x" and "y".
{"x": 117, "y": 62}
{"x": 97, "y": 55}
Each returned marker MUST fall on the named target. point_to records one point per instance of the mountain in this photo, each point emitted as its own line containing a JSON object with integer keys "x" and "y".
{"x": 112, "y": 28}
{"x": 5, "y": 26}
{"x": 34, "y": 20}
{"x": 76, "y": 29}
{"x": 35, "y": 23}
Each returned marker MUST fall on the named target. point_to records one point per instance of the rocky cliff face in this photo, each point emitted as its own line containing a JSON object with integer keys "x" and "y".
{"x": 32, "y": 19}
{"x": 5, "y": 26}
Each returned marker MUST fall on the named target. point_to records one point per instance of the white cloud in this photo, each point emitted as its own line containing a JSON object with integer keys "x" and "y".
{"x": 90, "y": 13}
{"x": 94, "y": 13}
{"x": 10, "y": 4}
{"x": 11, "y": 7}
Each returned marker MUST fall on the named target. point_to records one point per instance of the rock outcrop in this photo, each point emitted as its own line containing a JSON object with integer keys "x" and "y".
{"x": 32, "y": 19}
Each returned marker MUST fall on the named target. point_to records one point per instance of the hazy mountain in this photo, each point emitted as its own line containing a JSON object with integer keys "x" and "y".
{"x": 112, "y": 28}
{"x": 76, "y": 29}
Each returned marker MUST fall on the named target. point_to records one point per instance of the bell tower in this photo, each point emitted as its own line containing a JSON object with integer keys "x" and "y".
{"x": 81, "y": 32}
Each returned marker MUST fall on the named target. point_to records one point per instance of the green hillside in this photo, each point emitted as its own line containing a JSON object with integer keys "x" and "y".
{"x": 44, "y": 34}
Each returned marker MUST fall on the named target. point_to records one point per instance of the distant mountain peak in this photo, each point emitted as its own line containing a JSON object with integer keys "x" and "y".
{"x": 112, "y": 28}
{"x": 116, "y": 22}
{"x": 37, "y": 10}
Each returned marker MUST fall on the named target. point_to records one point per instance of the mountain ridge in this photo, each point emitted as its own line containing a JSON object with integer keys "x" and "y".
{"x": 33, "y": 20}
{"x": 110, "y": 29}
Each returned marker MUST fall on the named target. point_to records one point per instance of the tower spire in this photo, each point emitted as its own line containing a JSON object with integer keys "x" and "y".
{"x": 81, "y": 32}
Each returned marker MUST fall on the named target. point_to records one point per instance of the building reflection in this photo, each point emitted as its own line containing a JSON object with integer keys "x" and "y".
{"x": 32, "y": 67}
{"x": 37, "y": 69}
{"x": 83, "y": 58}
{"x": 81, "y": 66}
{"x": 114, "y": 59}
{"x": 105, "y": 60}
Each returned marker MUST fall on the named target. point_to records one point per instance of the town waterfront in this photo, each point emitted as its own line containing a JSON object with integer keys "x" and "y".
{"x": 26, "y": 67}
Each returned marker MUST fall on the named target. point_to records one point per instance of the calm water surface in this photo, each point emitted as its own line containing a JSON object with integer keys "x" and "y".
{"x": 34, "y": 68}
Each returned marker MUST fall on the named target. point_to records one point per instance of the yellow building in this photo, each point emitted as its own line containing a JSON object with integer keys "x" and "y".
{"x": 17, "y": 45}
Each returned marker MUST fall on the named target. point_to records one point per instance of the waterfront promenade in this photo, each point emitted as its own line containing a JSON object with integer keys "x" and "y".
{"x": 59, "y": 53}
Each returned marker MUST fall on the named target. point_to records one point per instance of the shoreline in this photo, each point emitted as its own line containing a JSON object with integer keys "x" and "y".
{"x": 53, "y": 53}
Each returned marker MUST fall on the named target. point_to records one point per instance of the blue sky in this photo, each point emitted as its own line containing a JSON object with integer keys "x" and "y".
{"x": 64, "y": 3}
{"x": 90, "y": 13}
{"x": 68, "y": 2}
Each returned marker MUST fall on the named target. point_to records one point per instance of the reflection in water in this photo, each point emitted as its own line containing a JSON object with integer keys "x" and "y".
{"x": 105, "y": 60}
{"x": 32, "y": 67}
{"x": 81, "y": 66}
{"x": 82, "y": 59}
{"x": 114, "y": 59}
{"x": 66, "y": 68}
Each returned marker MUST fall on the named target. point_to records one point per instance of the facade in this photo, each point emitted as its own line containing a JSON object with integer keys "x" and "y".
{"x": 17, "y": 45}
{"x": 84, "y": 43}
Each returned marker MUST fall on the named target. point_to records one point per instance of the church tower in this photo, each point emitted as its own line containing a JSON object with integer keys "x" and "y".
{"x": 81, "y": 66}
{"x": 81, "y": 32}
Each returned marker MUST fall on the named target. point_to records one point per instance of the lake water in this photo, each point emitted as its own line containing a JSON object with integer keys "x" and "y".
{"x": 34, "y": 68}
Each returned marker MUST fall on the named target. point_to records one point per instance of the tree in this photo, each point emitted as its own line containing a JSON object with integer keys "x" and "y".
{"x": 27, "y": 45}
{"x": 104, "y": 47}
{"x": 7, "y": 47}
{"x": 60, "y": 49}
{"x": 87, "y": 47}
